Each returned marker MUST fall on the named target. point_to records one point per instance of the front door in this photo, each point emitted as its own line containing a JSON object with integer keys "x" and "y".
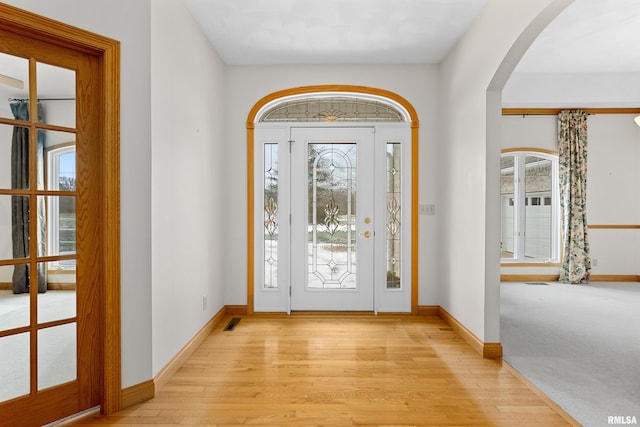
{"x": 333, "y": 218}
{"x": 332, "y": 224}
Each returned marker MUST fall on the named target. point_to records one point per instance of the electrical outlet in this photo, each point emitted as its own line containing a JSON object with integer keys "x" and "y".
{"x": 594, "y": 262}
{"x": 204, "y": 302}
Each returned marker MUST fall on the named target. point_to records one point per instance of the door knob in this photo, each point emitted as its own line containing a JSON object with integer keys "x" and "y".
{"x": 366, "y": 234}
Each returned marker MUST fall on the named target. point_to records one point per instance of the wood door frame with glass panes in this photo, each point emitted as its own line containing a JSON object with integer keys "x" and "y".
{"x": 276, "y": 210}
{"x": 62, "y": 220}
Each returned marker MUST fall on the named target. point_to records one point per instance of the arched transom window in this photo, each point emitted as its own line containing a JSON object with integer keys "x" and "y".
{"x": 332, "y": 108}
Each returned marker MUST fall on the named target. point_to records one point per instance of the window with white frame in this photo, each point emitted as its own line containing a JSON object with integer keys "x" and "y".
{"x": 530, "y": 230}
{"x": 61, "y": 209}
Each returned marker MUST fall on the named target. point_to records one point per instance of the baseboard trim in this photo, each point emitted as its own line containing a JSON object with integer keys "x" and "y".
{"x": 429, "y": 310}
{"x": 529, "y": 277}
{"x": 146, "y": 390}
{"x": 557, "y": 408}
{"x": 51, "y": 286}
{"x": 178, "y": 360}
{"x": 137, "y": 393}
{"x": 237, "y": 310}
{"x": 491, "y": 350}
{"x": 614, "y": 278}
{"x": 555, "y": 278}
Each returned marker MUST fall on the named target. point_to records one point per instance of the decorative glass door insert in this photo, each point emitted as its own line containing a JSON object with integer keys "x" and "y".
{"x": 270, "y": 202}
{"x": 393, "y": 215}
{"x": 332, "y": 216}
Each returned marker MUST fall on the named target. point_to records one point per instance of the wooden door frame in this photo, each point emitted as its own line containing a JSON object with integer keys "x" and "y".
{"x": 36, "y": 27}
{"x": 347, "y": 89}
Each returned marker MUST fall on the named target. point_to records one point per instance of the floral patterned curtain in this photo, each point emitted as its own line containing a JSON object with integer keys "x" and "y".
{"x": 572, "y": 156}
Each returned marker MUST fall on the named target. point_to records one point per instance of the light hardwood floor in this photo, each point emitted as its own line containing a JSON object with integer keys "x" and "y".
{"x": 339, "y": 370}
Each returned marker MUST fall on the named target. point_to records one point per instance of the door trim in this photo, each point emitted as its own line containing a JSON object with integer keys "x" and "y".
{"x": 309, "y": 90}
{"x": 36, "y": 27}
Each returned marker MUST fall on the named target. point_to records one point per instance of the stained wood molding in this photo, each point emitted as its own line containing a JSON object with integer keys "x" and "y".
{"x": 137, "y": 393}
{"x": 429, "y": 310}
{"x": 614, "y": 278}
{"x": 492, "y": 350}
{"x": 555, "y": 278}
{"x": 613, "y": 227}
{"x": 530, "y": 149}
{"x": 530, "y": 264}
{"x": 8, "y": 286}
{"x": 529, "y": 277}
{"x": 178, "y": 360}
{"x": 556, "y": 111}
{"x": 237, "y": 310}
{"x": 146, "y": 390}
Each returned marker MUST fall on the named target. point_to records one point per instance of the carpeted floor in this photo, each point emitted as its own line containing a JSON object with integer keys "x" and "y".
{"x": 579, "y": 344}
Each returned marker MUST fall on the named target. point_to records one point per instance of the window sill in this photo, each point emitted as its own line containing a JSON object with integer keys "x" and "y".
{"x": 529, "y": 264}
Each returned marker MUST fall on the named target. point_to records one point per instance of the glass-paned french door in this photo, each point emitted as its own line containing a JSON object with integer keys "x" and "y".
{"x": 332, "y": 218}
{"x": 50, "y": 241}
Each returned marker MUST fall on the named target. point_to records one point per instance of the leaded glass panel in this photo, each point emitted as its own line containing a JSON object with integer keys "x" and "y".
{"x": 332, "y": 216}
{"x": 271, "y": 216}
{"x": 394, "y": 194}
{"x": 332, "y": 109}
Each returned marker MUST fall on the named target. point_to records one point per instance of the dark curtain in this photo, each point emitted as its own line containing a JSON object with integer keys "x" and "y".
{"x": 20, "y": 204}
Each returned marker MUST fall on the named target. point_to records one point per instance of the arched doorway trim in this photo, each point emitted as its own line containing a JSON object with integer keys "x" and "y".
{"x": 275, "y": 98}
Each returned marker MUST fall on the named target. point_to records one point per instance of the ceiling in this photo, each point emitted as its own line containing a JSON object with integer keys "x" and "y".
{"x": 589, "y": 36}
{"x": 334, "y": 31}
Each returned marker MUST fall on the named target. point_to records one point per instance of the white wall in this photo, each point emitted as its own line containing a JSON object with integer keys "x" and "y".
{"x": 246, "y": 85}
{"x": 187, "y": 86}
{"x": 470, "y": 152}
{"x": 567, "y": 90}
{"x": 133, "y": 30}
